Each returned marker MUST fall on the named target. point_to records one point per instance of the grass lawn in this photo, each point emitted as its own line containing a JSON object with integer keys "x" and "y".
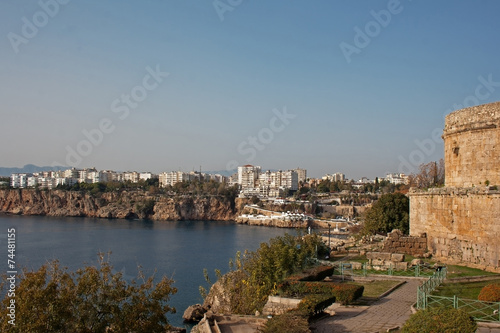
{"x": 376, "y": 288}
{"x": 462, "y": 271}
{"x": 469, "y": 290}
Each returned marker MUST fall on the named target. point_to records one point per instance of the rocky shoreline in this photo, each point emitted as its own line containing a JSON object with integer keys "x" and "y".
{"x": 116, "y": 205}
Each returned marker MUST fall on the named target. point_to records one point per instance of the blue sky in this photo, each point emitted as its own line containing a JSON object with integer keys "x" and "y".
{"x": 359, "y": 87}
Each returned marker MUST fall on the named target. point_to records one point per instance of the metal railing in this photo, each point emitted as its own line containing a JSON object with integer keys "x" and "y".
{"x": 346, "y": 269}
{"x": 429, "y": 286}
{"x": 479, "y": 310}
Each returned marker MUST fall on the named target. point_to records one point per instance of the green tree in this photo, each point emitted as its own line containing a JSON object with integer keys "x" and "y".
{"x": 92, "y": 299}
{"x": 390, "y": 212}
{"x": 440, "y": 320}
{"x": 257, "y": 273}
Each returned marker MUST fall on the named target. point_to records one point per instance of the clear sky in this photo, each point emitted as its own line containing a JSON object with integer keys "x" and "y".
{"x": 359, "y": 87}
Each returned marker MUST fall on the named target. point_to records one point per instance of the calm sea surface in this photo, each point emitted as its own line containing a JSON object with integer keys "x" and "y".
{"x": 177, "y": 249}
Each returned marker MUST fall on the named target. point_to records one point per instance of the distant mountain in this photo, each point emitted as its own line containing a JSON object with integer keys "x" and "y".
{"x": 29, "y": 168}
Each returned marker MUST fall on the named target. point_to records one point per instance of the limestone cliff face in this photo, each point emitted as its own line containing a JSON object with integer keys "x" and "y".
{"x": 134, "y": 204}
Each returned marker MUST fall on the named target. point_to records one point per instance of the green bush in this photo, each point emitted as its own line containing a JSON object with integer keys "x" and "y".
{"x": 440, "y": 320}
{"x": 344, "y": 293}
{"x": 289, "y": 322}
{"x": 315, "y": 303}
{"x": 490, "y": 293}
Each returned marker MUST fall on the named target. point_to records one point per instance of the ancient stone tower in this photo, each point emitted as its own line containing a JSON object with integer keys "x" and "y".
{"x": 472, "y": 146}
{"x": 462, "y": 219}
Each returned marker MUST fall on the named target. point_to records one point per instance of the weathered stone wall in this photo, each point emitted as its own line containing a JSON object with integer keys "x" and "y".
{"x": 397, "y": 243}
{"x": 472, "y": 146}
{"x": 462, "y": 220}
{"x": 276, "y": 306}
{"x": 462, "y": 225}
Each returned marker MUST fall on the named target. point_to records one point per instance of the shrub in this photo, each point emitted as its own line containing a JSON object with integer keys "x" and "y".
{"x": 315, "y": 303}
{"x": 53, "y": 299}
{"x": 344, "y": 293}
{"x": 490, "y": 293}
{"x": 440, "y": 319}
{"x": 318, "y": 273}
{"x": 289, "y": 322}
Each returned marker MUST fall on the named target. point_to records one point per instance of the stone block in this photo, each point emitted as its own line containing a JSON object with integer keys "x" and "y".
{"x": 385, "y": 256}
{"x": 397, "y": 257}
{"x": 401, "y": 266}
{"x": 377, "y": 262}
{"x": 372, "y": 255}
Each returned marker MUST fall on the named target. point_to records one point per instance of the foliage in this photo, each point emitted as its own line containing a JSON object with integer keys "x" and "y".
{"x": 490, "y": 293}
{"x": 145, "y": 208}
{"x": 289, "y": 322}
{"x": 258, "y": 273}
{"x": 344, "y": 293}
{"x": 390, "y": 212}
{"x": 318, "y": 273}
{"x": 315, "y": 303}
{"x": 92, "y": 299}
{"x": 429, "y": 175}
{"x": 440, "y": 320}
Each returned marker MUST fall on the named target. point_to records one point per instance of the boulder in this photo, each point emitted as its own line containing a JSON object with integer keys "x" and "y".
{"x": 194, "y": 313}
{"x": 416, "y": 262}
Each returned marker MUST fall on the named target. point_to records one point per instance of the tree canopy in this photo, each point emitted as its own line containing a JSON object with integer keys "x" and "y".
{"x": 92, "y": 299}
{"x": 390, "y": 212}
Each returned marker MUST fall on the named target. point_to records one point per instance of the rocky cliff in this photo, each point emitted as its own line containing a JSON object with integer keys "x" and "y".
{"x": 127, "y": 204}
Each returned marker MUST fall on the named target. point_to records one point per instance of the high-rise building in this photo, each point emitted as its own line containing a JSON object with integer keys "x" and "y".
{"x": 301, "y": 174}
{"x": 248, "y": 175}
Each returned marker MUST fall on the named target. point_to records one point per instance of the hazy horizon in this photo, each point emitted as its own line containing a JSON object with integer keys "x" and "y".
{"x": 359, "y": 87}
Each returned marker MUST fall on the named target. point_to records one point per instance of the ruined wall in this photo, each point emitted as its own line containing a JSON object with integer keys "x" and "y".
{"x": 396, "y": 242}
{"x": 472, "y": 146}
{"x": 462, "y": 220}
{"x": 462, "y": 225}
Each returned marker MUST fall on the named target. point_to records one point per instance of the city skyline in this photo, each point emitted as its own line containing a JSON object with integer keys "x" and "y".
{"x": 355, "y": 87}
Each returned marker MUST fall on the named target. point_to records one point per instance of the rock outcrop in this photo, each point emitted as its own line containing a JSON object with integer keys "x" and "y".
{"x": 122, "y": 205}
{"x": 194, "y": 313}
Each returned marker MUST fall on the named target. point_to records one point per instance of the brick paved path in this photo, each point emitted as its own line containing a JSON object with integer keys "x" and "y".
{"x": 388, "y": 312}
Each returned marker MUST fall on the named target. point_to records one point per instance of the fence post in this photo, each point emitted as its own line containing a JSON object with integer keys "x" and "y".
{"x": 364, "y": 269}
{"x": 455, "y": 301}
{"x": 417, "y": 270}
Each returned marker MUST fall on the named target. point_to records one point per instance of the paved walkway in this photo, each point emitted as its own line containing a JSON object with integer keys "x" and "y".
{"x": 388, "y": 313}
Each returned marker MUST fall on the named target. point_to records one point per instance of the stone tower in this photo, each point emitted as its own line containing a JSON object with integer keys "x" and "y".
{"x": 462, "y": 219}
{"x": 472, "y": 146}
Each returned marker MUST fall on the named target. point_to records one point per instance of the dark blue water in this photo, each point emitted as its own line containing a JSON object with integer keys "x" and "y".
{"x": 177, "y": 249}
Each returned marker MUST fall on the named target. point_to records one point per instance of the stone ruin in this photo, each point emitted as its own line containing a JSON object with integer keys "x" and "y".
{"x": 396, "y": 242}
{"x": 462, "y": 219}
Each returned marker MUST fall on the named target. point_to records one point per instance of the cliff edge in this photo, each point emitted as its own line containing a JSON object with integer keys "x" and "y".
{"x": 126, "y": 204}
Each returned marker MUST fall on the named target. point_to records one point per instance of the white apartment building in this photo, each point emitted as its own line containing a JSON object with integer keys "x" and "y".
{"x": 71, "y": 173}
{"x": 145, "y": 175}
{"x": 248, "y": 176}
{"x": 336, "y": 177}
{"x": 172, "y": 178}
{"x": 397, "y": 178}
{"x": 301, "y": 174}
{"x": 132, "y": 176}
{"x": 19, "y": 180}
